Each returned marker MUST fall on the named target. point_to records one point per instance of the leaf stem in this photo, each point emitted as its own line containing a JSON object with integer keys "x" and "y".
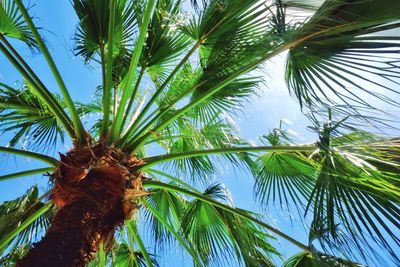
{"x": 132, "y": 229}
{"x": 127, "y": 91}
{"x": 137, "y": 84}
{"x": 107, "y": 76}
{"x": 29, "y": 154}
{"x": 78, "y": 127}
{"x": 25, "y": 173}
{"x": 158, "y": 92}
{"x": 173, "y": 232}
{"x": 151, "y": 161}
{"x": 43, "y": 93}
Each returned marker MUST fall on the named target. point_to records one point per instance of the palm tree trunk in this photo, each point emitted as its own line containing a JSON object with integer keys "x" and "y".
{"x": 95, "y": 193}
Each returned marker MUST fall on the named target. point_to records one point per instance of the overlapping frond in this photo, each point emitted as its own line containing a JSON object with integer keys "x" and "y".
{"x": 184, "y": 79}
{"x": 15, "y": 254}
{"x": 226, "y": 49}
{"x": 229, "y": 36}
{"x": 171, "y": 206}
{"x": 185, "y": 135}
{"x": 165, "y": 43}
{"x": 352, "y": 192}
{"x": 218, "y": 234}
{"x": 287, "y": 177}
{"x": 349, "y": 184}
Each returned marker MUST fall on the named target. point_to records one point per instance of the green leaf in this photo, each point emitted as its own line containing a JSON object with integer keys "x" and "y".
{"x": 125, "y": 256}
{"x": 127, "y": 90}
{"x": 164, "y": 43}
{"x": 12, "y": 24}
{"x": 14, "y": 255}
{"x": 304, "y": 259}
{"x": 284, "y": 177}
{"x": 217, "y": 234}
{"x": 93, "y": 29}
{"x": 28, "y": 215}
{"x": 25, "y": 115}
{"x": 80, "y": 133}
{"x": 132, "y": 230}
{"x": 171, "y": 206}
{"x": 353, "y": 195}
{"x": 241, "y": 213}
{"x": 343, "y": 56}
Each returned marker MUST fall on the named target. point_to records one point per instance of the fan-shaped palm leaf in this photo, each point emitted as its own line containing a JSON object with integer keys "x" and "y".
{"x": 12, "y": 24}
{"x": 217, "y": 234}
{"x": 15, "y": 212}
{"x": 94, "y": 20}
{"x": 23, "y": 113}
{"x": 171, "y": 206}
{"x": 335, "y": 58}
{"x": 165, "y": 43}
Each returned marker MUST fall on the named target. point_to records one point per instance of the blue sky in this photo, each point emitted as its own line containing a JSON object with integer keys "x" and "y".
{"x": 259, "y": 115}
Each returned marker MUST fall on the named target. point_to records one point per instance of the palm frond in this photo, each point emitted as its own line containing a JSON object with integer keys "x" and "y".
{"x": 164, "y": 43}
{"x": 284, "y": 176}
{"x": 12, "y": 24}
{"x": 344, "y": 56}
{"x": 32, "y": 123}
{"x": 171, "y": 206}
{"x": 185, "y": 78}
{"x": 15, "y": 212}
{"x": 185, "y": 135}
{"x": 14, "y": 255}
{"x": 79, "y": 131}
{"x": 231, "y": 39}
{"x": 310, "y": 5}
{"x": 125, "y": 256}
{"x": 94, "y": 20}
{"x": 128, "y": 91}
{"x": 304, "y": 259}
{"x": 353, "y": 194}
{"x": 135, "y": 236}
{"x": 230, "y": 99}
{"x": 217, "y": 234}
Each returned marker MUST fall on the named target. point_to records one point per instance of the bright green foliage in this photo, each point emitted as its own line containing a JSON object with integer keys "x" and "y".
{"x": 14, "y": 255}
{"x": 16, "y": 211}
{"x": 12, "y": 23}
{"x": 29, "y": 117}
{"x": 319, "y": 260}
{"x": 173, "y": 78}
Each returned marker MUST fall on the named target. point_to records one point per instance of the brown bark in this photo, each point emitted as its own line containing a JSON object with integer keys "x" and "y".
{"x": 95, "y": 191}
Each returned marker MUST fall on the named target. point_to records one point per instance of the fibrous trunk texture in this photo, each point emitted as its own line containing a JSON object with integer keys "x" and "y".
{"x": 95, "y": 191}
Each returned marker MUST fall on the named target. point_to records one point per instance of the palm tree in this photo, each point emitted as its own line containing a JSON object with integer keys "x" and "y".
{"x": 152, "y": 148}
